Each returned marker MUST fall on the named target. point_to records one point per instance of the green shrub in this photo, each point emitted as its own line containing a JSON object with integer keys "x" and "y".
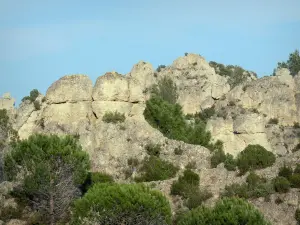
{"x": 113, "y": 117}
{"x": 281, "y": 185}
{"x": 196, "y": 198}
{"x": 273, "y": 121}
{"x": 254, "y": 187}
{"x": 293, "y": 63}
{"x": 112, "y": 204}
{"x": 254, "y": 157}
{"x": 154, "y": 168}
{"x": 44, "y": 99}
{"x": 153, "y": 149}
{"x": 160, "y": 67}
{"x": 165, "y": 89}
{"x": 296, "y": 125}
{"x": 169, "y": 119}
{"x": 186, "y": 184}
{"x": 95, "y": 177}
{"x": 230, "y": 162}
{"x": 285, "y": 171}
{"x": 297, "y": 215}
{"x": 178, "y": 151}
{"x": 226, "y": 211}
{"x": 37, "y": 105}
{"x": 51, "y": 166}
{"x": 297, "y": 168}
{"x": 297, "y": 148}
{"x": 32, "y": 97}
{"x": 217, "y": 158}
{"x": 295, "y": 180}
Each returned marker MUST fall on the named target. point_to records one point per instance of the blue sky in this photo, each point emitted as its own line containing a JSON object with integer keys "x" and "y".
{"x": 41, "y": 41}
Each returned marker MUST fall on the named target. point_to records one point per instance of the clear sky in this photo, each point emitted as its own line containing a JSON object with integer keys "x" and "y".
{"x": 43, "y": 40}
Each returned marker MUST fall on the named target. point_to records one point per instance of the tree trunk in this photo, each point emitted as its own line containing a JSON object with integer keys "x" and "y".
{"x": 51, "y": 203}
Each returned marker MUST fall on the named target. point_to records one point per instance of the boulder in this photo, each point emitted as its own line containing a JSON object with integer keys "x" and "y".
{"x": 73, "y": 88}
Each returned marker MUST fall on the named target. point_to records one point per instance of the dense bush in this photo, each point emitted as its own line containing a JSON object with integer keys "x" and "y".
{"x": 273, "y": 121}
{"x": 130, "y": 204}
{"x": 293, "y": 63}
{"x": 153, "y": 149}
{"x": 95, "y": 177}
{"x": 37, "y": 105}
{"x": 281, "y": 184}
{"x": 295, "y": 180}
{"x": 254, "y": 187}
{"x": 53, "y": 168}
{"x": 113, "y": 117}
{"x": 165, "y": 89}
{"x": 217, "y": 158}
{"x": 154, "y": 168}
{"x": 226, "y": 211}
{"x": 187, "y": 186}
{"x": 220, "y": 157}
{"x": 32, "y": 97}
{"x": 160, "y": 67}
{"x": 236, "y": 74}
{"x": 254, "y": 157}
{"x": 169, "y": 119}
{"x": 230, "y": 162}
{"x": 285, "y": 171}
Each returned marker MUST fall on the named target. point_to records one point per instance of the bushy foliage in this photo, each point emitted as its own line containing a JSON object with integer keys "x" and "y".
{"x": 187, "y": 186}
{"x": 226, "y": 211}
{"x": 153, "y": 149}
{"x": 230, "y": 162}
{"x": 254, "y": 157}
{"x": 160, "y": 67}
{"x": 154, "y": 168}
{"x": 95, "y": 177}
{"x": 166, "y": 89}
{"x": 220, "y": 157}
{"x": 297, "y": 216}
{"x": 204, "y": 115}
{"x": 169, "y": 119}
{"x": 295, "y": 180}
{"x": 32, "y": 97}
{"x": 281, "y": 184}
{"x": 296, "y": 125}
{"x": 113, "y": 117}
{"x": 217, "y": 158}
{"x": 236, "y": 74}
{"x": 130, "y": 204}
{"x": 254, "y": 187}
{"x": 37, "y": 105}
{"x": 285, "y": 171}
{"x": 53, "y": 168}
{"x": 273, "y": 121}
{"x": 293, "y": 63}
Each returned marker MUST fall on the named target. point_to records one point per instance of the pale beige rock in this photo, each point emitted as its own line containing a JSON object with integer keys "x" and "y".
{"x": 143, "y": 73}
{"x": 111, "y": 87}
{"x": 16, "y": 222}
{"x": 136, "y": 91}
{"x": 7, "y": 102}
{"x": 101, "y": 107}
{"x": 73, "y": 88}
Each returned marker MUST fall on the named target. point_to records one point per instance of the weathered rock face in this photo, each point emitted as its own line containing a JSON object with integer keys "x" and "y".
{"x": 72, "y": 88}
{"x": 7, "y": 102}
{"x": 198, "y": 84}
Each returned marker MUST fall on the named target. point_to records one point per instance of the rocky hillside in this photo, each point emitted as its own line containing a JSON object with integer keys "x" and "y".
{"x": 263, "y": 111}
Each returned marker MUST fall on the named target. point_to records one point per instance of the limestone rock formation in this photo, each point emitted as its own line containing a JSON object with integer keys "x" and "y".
{"x": 7, "y": 102}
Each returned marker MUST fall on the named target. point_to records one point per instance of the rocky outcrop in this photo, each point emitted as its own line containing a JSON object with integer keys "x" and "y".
{"x": 71, "y": 89}
{"x": 7, "y": 102}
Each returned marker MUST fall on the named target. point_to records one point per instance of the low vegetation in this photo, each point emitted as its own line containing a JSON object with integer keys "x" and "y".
{"x": 32, "y": 97}
{"x": 231, "y": 210}
{"x": 254, "y": 187}
{"x": 187, "y": 186}
{"x": 121, "y": 204}
{"x": 292, "y": 64}
{"x": 254, "y": 157}
{"x": 113, "y": 117}
{"x": 153, "y": 149}
{"x": 273, "y": 121}
{"x": 153, "y": 168}
{"x": 236, "y": 74}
